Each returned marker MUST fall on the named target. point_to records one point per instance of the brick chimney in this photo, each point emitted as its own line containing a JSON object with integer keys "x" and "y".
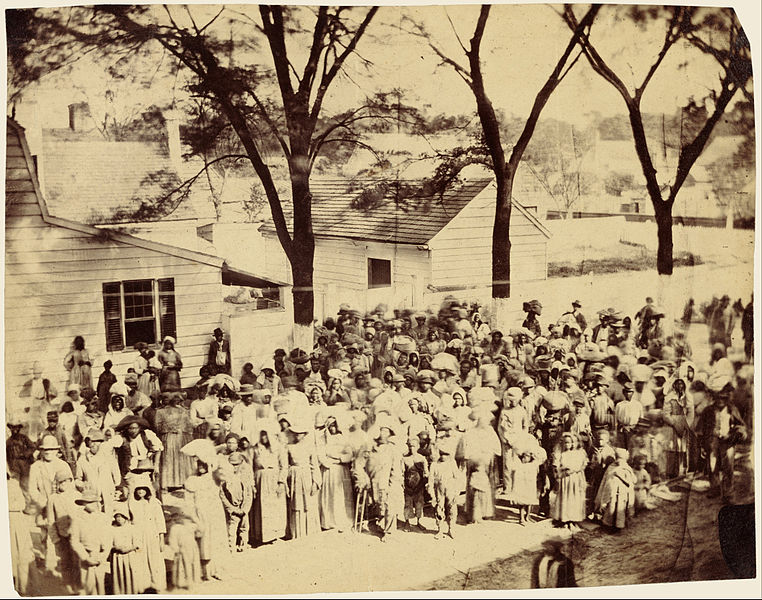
{"x": 79, "y": 116}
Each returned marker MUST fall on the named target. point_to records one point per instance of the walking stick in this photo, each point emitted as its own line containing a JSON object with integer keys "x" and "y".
{"x": 357, "y": 510}
{"x": 360, "y": 510}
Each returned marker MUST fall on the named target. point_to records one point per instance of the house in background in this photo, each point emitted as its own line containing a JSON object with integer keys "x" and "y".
{"x": 64, "y": 278}
{"x": 380, "y": 242}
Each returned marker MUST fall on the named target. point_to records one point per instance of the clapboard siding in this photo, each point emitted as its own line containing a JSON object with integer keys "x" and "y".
{"x": 53, "y": 290}
{"x": 462, "y": 250}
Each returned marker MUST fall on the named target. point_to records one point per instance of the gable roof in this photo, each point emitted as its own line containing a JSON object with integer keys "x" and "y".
{"x": 21, "y": 182}
{"x": 391, "y": 216}
{"x": 397, "y": 216}
{"x": 92, "y": 180}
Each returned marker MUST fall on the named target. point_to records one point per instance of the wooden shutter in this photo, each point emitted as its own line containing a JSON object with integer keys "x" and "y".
{"x": 167, "y": 307}
{"x": 112, "y": 312}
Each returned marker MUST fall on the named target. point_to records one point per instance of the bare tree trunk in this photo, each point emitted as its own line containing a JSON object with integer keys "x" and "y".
{"x": 303, "y": 249}
{"x": 664, "y": 237}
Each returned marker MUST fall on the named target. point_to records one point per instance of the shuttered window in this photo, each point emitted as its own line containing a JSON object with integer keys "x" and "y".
{"x": 138, "y": 310}
{"x": 167, "y": 307}
{"x": 112, "y": 310}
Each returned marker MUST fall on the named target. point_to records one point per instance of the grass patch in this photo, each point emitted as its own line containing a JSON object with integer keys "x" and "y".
{"x": 599, "y": 266}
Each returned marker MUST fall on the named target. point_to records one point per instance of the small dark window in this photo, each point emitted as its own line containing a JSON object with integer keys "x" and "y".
{"x": 379, "y": 273}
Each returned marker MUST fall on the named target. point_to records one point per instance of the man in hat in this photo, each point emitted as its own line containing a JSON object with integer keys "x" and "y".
{"x": 577, "y": 314}
{"x": 135, "y": 400}
{"x": 243, "y": 420}
{"x": 382, "y": 471}
{"x": 19, "y": 452}
{"x": 429, "y": 401}
{"x": 726, "y": 428}
{"x": 358, "y": 395}
{"x": 43, "y": 470}
{"x": 627, "y": 414}
{"x": 497, "y": 345}
{"x": 139, "y": 443}
{"x": 218, "y": 358}
{"x": 420, "y": 332}
{"x": 91, "y": 541}
{"x": 94, "y": 470}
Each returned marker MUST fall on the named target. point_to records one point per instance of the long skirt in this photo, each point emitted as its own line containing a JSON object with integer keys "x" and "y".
{"x": 144, "y": 383}
{"x": 129, "y": 572}
{"x": 186, "y": 567}
{"x": 523, "y": 484}
{"x": 174, "y": 466}
{"x": 480, "y": 495}
{"x": 22, "y": 553}
{"x": 337, "y": 498}
{"x": 268, "y": 515}
{"x": 157, "y": 570}
{"x": 303, "y": 506}
{"x": 213, "y": 545}
{"x": 568, "y": 505}
{"x": 169, "y": 379}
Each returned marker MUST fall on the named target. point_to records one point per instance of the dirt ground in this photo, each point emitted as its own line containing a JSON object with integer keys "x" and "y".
{"x": 676, "y": 542}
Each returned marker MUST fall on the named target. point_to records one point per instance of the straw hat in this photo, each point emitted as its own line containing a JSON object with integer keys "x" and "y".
{"x": 49, "y": 442}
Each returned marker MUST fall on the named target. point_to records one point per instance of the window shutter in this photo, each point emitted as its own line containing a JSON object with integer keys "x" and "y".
{"x": 167, "y": 307}
{"x": 112, "y": 312}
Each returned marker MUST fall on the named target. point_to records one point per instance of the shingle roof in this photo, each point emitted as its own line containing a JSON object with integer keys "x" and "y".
{"x": 97, "y": 181}
{"x": 383, "y": 210}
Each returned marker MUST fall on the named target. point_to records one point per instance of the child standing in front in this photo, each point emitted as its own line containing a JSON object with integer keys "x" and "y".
{"x": 568, "y": 502}
{"x": 445, "y": 485}
{"x": 416, "y": 475}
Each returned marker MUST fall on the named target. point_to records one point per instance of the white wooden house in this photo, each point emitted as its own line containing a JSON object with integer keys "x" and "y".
{"x": 64, "y": 278}
{"x": 378, "y": 243}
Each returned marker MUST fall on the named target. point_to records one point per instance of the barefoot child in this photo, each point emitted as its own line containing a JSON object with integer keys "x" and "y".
{"x": 524, "y": 487}
{"x": 568, "y": 505}
{"x": 416, "y": 476}
{"x": 445, "y": 484}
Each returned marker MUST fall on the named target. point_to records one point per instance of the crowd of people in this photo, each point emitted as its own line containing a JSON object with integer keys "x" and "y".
{"x": 134, "y": 484}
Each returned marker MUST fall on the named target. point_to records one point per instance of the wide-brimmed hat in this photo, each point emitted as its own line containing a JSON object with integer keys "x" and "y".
{"x": 513, "y": 393}
{"x": 96, "y": 435}
{"x": 426, "y": 376}
{"x": 718, "y": 383}
{"x": 87, "y": 394}
{"x": 383, "y": 422}
{"x": 236, "y": 458}
{"x": 88, "y": 495}
{"x": 129, "y": 420}
{"x": 640, "y": 373}
{"x": 577, "y": 303}
{"x": 131, "y": 378}
{"x": 63, "y": 474}
{"x": 49, "y": 442}
{"x": 121, "y": 508}
{"x": 144, "y": 465}
{"x": 247, "y": 389}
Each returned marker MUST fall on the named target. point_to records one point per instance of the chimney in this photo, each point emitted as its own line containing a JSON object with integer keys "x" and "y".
{"x": 79, "y": 114}
{"x": 172, "y": 121}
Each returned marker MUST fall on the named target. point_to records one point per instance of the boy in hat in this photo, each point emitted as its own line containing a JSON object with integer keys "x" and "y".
{"x": 91, "y": 541}
{"x": 726, "y": 430}
{"x": 237, "y": 494}
{"x": 416, "y": 476}
{"x": 61, "y": 511}
{"x": 445, "y": 485}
